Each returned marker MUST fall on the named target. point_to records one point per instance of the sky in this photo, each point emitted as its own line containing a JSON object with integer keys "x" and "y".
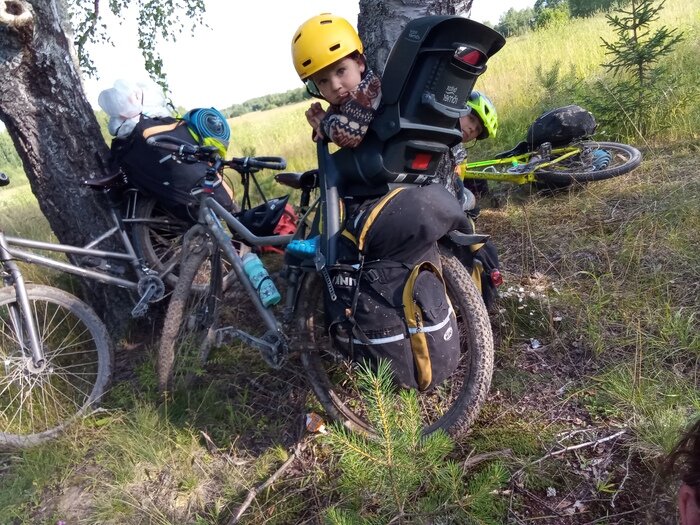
{"x": 244, "y": 53}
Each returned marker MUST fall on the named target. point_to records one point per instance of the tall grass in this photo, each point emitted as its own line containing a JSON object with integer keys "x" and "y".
{"x": 280, "y": 132}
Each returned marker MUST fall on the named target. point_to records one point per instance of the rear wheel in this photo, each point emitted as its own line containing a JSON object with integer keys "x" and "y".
{"x": 189, "y": 329}
{"x": 596, "y": 161}
{"x": 157, "y": 233}
{"x": 452, "y": 406}
{"x": 36, "y": 403}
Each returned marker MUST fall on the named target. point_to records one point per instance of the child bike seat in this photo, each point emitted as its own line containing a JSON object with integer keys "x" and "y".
{"x": 428, "y": 77}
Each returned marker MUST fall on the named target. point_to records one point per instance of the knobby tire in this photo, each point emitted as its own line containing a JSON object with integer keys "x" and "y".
{"x": 191, "y": 320}
{"x": 452, "y": 406}
{"x": 36, "y": 405}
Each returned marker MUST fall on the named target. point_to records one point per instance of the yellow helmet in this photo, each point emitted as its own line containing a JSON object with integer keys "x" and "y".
{"x": 322, "y": 40}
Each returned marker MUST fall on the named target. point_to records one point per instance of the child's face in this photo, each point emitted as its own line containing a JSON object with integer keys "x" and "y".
{"x": 471, "y": 127}
{"x": 335, "y": 82}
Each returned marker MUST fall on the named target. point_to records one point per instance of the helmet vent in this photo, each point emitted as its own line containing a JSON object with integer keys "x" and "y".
{"x": 297, "y": 37}
{"x": 306, "y": 62}
{"x": 334, "y": 47}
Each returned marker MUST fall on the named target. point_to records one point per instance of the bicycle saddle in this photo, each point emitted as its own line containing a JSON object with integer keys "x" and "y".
{"x": 116, "y": 179}
{"x": 299, "y": 181}
{"x": 519, "y": 149}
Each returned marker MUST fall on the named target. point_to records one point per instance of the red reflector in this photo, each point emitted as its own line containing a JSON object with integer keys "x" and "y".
{"x": 496, "y": 278}
{"x": 421, "y": 161}
{"x": 473, "y": 58}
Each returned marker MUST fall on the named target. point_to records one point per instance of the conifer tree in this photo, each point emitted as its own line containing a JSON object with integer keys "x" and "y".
{"x": 636, "y": 63}
{"x": 401, "y": 476}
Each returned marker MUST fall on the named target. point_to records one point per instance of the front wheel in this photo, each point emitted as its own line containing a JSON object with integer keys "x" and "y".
{"x": 596, "y": 161}
{"x": 189, "y": 329}
{"x": 36, "y": 403}
{"x": 452, "y": 406}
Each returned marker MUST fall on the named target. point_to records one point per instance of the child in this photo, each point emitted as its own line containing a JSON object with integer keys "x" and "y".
{"x": 480, "y": 124}
{"x": 327, "y": 54}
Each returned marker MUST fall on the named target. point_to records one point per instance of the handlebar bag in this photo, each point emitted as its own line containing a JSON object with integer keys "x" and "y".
{"x": 390, "y": 298}
{"x": 561, "y": 126}
{"x": 157, "y": 173}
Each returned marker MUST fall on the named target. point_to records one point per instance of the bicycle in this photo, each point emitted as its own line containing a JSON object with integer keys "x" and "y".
{"x": 576, "y": 163}
{"x": 191, "y": 328}
{"x": 55, "y": 351}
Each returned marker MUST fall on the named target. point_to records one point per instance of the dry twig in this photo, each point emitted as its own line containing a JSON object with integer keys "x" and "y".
{"x": 572, "y": 447}
{"x": 257, "y": 490}
{"x": 472, "y": 461}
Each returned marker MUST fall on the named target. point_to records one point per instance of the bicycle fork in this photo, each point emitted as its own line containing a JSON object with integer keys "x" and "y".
{"x": 19, "y": 311}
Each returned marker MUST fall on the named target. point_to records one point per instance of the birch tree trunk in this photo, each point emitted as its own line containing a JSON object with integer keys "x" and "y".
{"x": 52, "y": 126}
{"x": 381, "y": 21}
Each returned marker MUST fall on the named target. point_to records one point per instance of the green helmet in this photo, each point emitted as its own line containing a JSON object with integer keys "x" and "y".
{"x": 486, "y": 111}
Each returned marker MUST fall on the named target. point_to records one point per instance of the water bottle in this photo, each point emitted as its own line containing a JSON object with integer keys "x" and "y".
{"x": 260, "y": 279}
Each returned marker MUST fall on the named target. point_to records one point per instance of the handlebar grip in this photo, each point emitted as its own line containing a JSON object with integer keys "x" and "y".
{"x": 270, "y": 163}
{"x": 174, "y": 146}
{"x": 4, "y": 179}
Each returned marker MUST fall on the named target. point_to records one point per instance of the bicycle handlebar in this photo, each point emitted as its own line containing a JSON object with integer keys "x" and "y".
{"x": 4, "y": 179}
{"x": 270, "y": 163}
{"x": 207, "y": 154}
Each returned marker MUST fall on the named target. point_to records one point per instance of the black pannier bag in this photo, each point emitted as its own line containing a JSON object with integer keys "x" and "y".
{"x": 156, "y": 173}
{"x": 391, "y": 301}
{"x": 561, "y": 126}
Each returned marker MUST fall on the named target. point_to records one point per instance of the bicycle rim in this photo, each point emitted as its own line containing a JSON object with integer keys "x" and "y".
{"x": 452, "y": 406}
{"x": 158, "y": 235}
{"x": 189, "y": 329}
{"x": 581, "y": 168}
{"x": 36, "y": 404}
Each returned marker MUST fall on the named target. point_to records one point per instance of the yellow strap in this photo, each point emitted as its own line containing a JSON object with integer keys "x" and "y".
{"x": 348, "y": 235}
{"x": 476, "y": 276}
{"x": 376, "y": 210}
{"x": 414, "y": 319}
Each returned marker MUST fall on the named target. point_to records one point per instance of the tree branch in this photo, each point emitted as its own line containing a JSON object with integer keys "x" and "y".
{"x": 572, "y": 447}
{"x": 253, "y": 492}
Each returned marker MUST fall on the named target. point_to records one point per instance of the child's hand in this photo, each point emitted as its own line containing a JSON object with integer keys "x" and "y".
{"x": 314, "y": 115}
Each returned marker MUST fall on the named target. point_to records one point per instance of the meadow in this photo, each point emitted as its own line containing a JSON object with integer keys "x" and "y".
{"x": 597, "y": 357}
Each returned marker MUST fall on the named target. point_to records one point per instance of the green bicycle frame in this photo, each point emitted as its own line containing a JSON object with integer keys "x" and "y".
{"x": 518, "y": 169}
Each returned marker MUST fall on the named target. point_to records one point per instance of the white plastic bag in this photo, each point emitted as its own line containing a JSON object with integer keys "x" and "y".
{"x": 126, "y": 101}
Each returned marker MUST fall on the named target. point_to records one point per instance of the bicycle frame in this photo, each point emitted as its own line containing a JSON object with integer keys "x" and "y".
{"x": 12, "y": 249}
{"x": 213, "y": 215}
{"x": 518, "y": 169}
